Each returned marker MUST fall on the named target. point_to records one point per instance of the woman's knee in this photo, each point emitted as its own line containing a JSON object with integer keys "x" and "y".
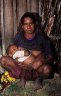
{"x": 5, "y": 60}
{"x": 46, "y": 69}
{"x": 37, "y": 65}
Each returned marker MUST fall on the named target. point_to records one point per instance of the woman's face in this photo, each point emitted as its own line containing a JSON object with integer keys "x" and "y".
{"x": 28, "y": 25}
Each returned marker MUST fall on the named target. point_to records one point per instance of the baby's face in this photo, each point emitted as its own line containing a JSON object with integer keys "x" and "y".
{"x": 13, "y": 49}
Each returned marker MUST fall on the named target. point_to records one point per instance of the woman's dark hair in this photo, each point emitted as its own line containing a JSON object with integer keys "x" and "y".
{"x": 28, "y": 14}
{"x": 36, "y": 20}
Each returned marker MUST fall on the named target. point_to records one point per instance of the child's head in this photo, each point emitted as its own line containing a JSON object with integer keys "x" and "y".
{"x": 11, "y": 50}
{"x": 16, "y": 52}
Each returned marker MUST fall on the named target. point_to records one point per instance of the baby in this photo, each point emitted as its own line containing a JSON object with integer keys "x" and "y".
{"x": 17, "y": 53}
{"x": 22, "y": 55}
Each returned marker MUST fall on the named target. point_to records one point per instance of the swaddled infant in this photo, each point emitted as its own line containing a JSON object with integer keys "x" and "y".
{"x": 21, "y": 55}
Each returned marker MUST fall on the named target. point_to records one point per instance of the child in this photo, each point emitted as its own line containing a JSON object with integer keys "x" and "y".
{"x": 17, "y": 53}
{"x": 22, "y": 55}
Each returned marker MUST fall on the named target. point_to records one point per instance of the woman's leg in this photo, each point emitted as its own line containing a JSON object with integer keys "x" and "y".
{"x": 10, "y": 65}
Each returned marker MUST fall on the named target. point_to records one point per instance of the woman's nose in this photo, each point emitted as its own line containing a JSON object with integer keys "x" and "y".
{"x": 28, "y": 26}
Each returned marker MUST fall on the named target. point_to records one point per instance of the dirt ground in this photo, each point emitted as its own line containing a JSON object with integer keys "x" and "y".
{"x": 51, "y": 87}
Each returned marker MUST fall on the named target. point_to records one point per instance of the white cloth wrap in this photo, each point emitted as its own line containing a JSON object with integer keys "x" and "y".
{"x": 18, "y": 54}
{"x": 23, "y": 58}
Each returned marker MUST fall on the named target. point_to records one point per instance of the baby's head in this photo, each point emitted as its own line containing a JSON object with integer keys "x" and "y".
{"x": 11, "y": 50}
{"x": 16, "y": 52}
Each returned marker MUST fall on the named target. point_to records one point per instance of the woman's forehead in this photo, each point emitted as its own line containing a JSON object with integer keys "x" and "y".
{"x": 27, "y": 19}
